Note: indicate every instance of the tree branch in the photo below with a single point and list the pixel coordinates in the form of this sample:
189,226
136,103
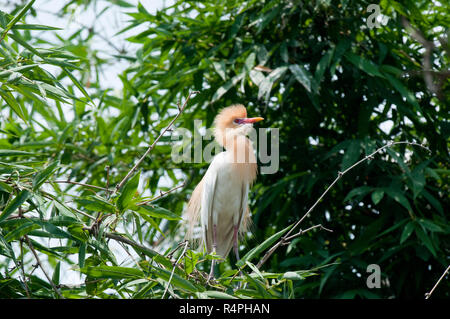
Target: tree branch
42,268
428,294
186,244
134,168
161,194
82,184
339,176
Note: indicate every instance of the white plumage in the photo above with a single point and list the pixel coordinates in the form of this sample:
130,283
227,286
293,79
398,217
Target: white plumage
221,197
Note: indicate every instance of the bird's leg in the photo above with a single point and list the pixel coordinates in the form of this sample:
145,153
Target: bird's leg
235,242
213,262
236,250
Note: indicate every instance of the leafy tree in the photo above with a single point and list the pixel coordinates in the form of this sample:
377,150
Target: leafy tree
82,168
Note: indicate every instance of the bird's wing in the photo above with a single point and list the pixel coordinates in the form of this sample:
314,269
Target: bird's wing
239,219
193,209
208,215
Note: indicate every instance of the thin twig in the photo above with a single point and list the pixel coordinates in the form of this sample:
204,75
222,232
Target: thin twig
186,244
428,294
107,179
339,176
27,289
301,232
42,268
83,184
127,241
161,194
134,168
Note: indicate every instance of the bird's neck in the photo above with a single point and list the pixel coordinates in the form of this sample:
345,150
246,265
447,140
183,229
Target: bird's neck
242,156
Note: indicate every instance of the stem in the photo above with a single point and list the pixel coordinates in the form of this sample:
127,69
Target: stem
162,194
42,268
134,168
186,243
82,184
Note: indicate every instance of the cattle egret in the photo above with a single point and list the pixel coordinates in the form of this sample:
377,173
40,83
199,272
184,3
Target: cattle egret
221,197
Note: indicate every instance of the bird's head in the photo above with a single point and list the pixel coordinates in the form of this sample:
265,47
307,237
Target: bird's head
233,121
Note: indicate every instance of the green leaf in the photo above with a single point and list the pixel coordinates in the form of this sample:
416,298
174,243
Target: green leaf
6,188
255,269
407,231
226,87
43,175
220,69
425,239
95,203
82,255
214,294
190,260
322,65
18,38
302,76
158,212
359,191
56,273
14,204
78,232
404,92
377,196
77,83
113,272
15,106
17,17
292,275
265,86
128,191
33,27
398,197
21,231
176,279
433,201
428,224
367,66
15,153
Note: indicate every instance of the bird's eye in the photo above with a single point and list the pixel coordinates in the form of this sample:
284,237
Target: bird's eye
237,121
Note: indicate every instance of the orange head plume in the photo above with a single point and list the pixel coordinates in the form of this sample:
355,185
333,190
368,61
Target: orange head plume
231,117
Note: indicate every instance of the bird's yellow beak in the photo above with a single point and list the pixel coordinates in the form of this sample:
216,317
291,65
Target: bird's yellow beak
251,120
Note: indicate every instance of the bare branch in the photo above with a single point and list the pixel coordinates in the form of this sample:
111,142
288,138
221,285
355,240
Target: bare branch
162,194
428,294
82,184
134,168
186,244
42,268
339,176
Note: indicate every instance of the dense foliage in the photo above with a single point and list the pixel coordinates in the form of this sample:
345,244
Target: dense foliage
335,87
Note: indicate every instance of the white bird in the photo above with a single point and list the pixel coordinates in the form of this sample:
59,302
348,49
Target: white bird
221,197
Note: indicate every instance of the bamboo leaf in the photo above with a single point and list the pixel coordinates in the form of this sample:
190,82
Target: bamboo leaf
14,204
44,175
128,192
